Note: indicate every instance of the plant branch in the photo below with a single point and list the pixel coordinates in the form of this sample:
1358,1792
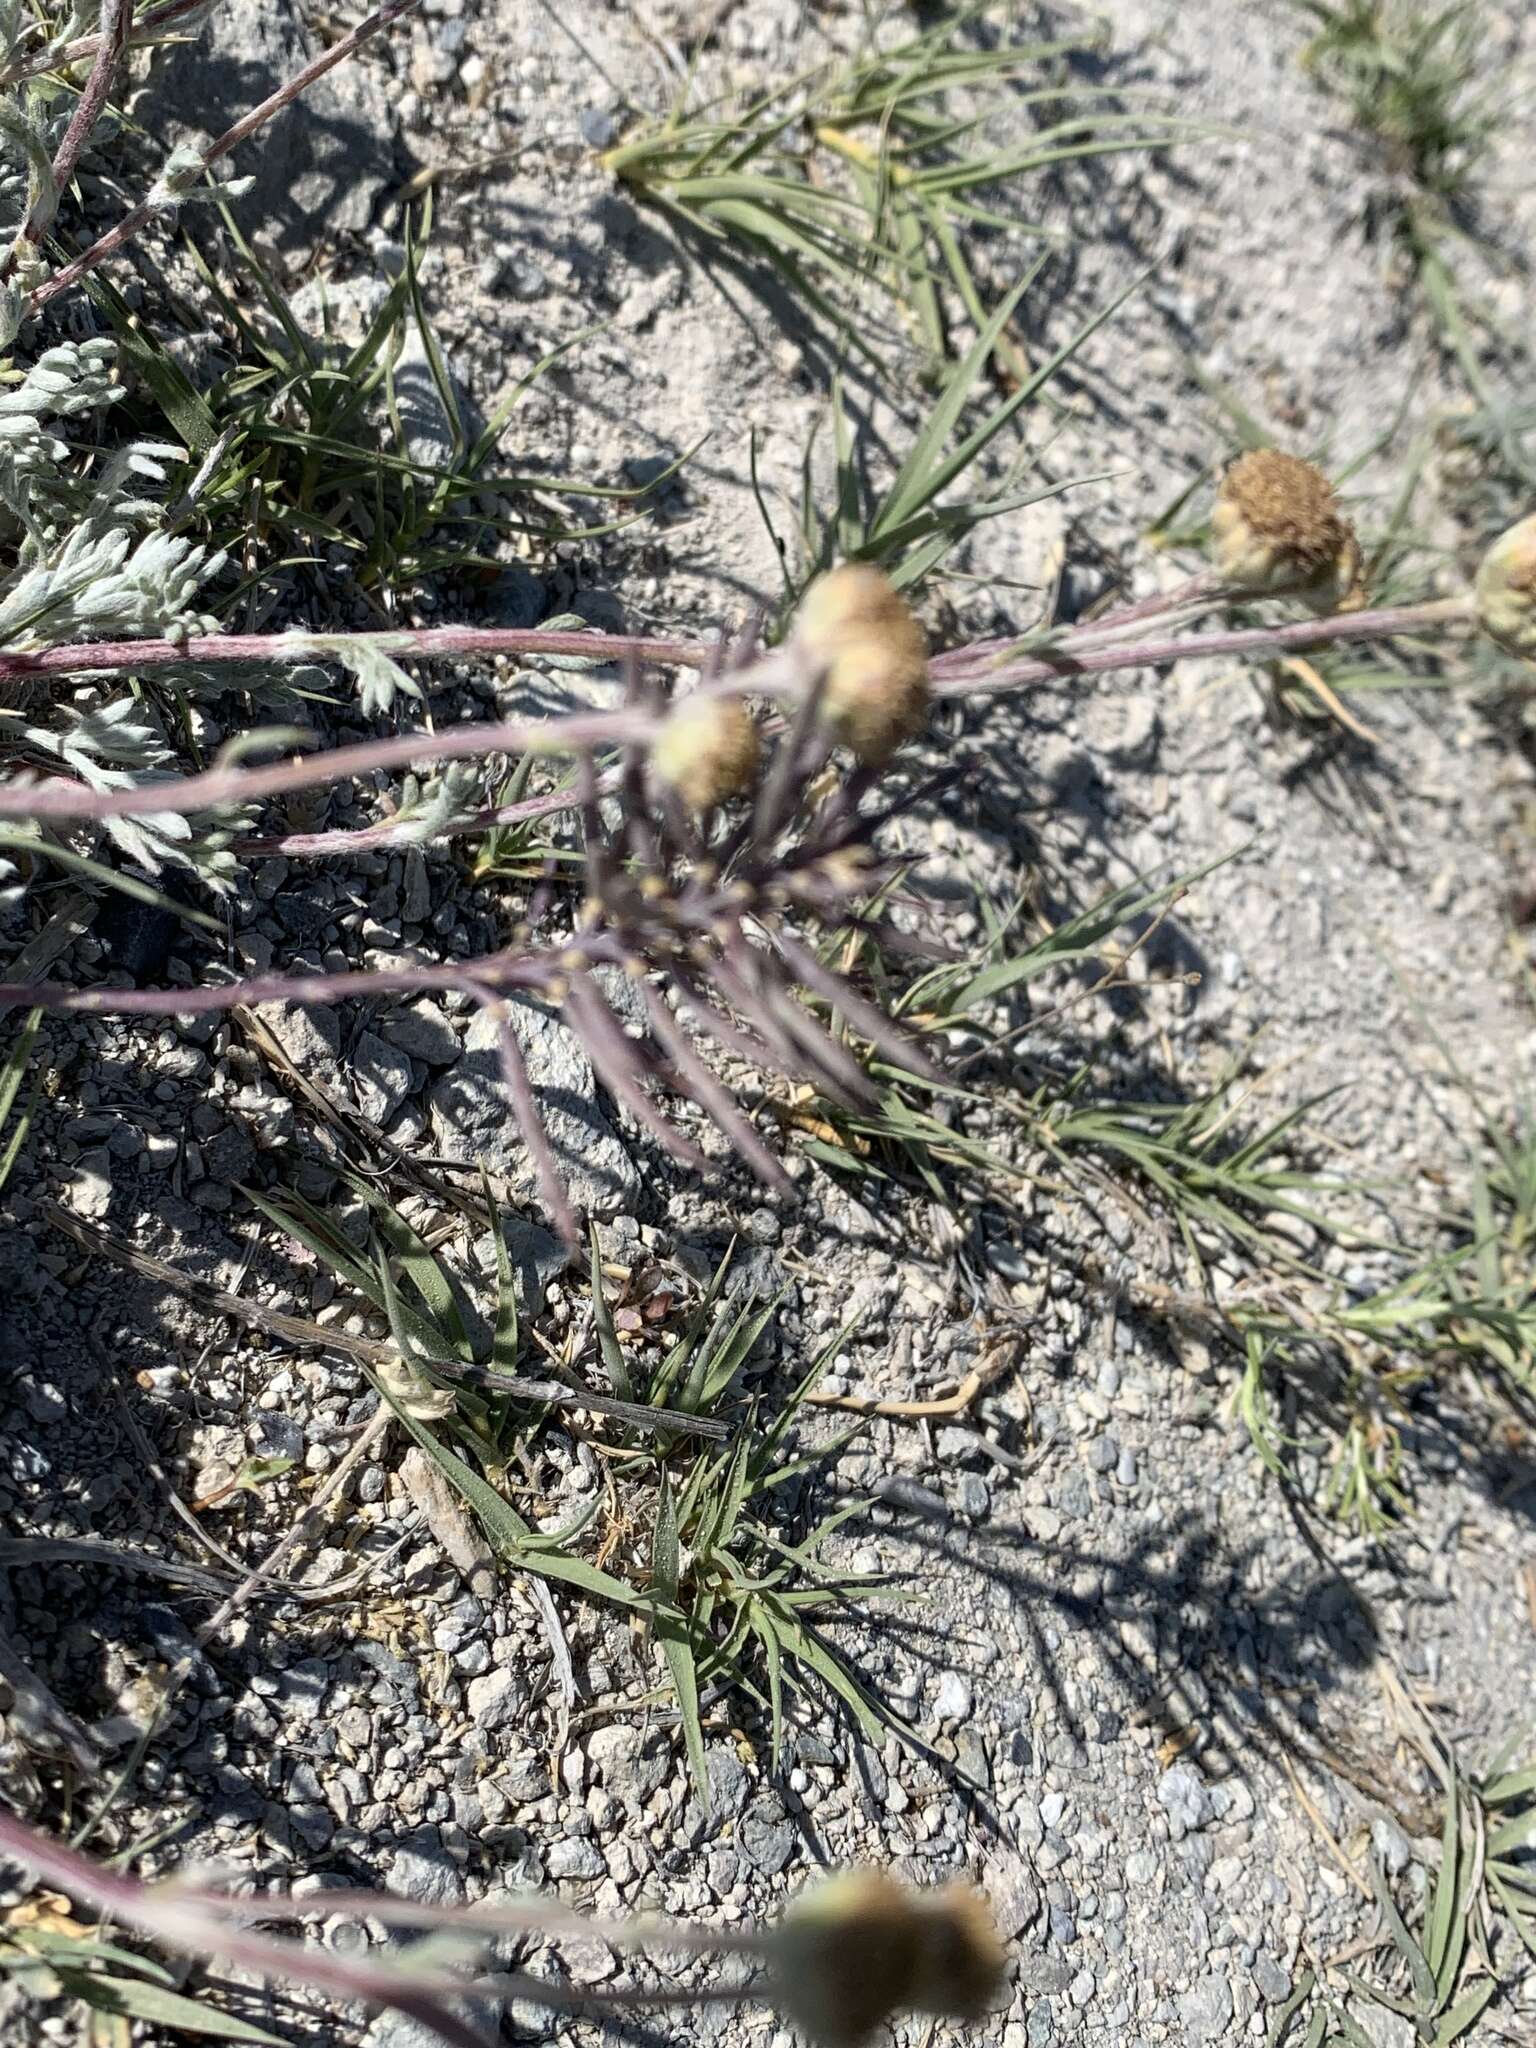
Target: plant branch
198,1924
141,215
142,31
1084,652
421,643
110,44
1086,658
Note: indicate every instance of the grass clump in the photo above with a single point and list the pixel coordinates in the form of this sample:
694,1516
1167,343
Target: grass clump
861,183
1412,77
1452,1938
697,1529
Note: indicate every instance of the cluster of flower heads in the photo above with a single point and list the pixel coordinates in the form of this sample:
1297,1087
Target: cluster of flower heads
864,652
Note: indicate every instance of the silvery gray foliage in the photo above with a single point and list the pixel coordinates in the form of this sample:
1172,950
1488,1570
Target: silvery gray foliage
429,808
87,557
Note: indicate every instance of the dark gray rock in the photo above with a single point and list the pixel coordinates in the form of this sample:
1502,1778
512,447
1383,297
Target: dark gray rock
472,1117
766,1836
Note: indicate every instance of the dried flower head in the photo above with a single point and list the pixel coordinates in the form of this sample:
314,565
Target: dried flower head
707,750
856,628
1277,527
1506,589
860,1948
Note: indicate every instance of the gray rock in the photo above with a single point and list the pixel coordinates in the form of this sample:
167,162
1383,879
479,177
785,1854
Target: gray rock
912,1495
416,896
1391,1845
628,1763
310,1037
766,1836
422,1030
952,1701
497,1699
575,1858
472,1117
1206,2008
431,434
322,162
535,1255
381,1077
445,1517
1271,1979
1185,1797
1012,1890
422,1869
728,1784
304,1686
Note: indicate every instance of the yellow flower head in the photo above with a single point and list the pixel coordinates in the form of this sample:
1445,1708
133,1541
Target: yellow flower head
1506,589
856,629
1278,528
707,750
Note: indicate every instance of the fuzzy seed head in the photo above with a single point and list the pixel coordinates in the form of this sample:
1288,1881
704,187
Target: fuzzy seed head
856,628
1506,589
860,1948
1277,527
707,750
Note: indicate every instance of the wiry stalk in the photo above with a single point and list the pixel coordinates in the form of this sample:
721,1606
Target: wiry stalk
146,29
140,216
1083,652
110,44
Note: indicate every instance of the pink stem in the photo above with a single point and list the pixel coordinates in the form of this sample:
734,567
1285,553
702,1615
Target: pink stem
1308,633
1080,654
420,643
58,798
371,838
194,1924
495,971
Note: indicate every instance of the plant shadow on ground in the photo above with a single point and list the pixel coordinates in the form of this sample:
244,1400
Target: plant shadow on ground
314,157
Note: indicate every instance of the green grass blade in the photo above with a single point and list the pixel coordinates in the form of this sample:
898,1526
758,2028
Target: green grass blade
676,1638
617,1366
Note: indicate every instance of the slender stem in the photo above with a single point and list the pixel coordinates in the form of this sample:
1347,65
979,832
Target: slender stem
498,971
58,798
110,44
141,215
1087,659
420,643
197,1924
373,838
143,30
1084,653
1199,589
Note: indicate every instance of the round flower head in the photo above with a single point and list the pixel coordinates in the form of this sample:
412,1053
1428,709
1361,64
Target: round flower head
856,630
1506,589
859,1948
707,750
1277,527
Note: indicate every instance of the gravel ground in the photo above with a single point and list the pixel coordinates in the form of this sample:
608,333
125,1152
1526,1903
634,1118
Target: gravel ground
1124,1640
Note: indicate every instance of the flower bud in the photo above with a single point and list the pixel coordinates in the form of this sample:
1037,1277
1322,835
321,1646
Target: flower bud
856,629
859,1948
707,750
1277,528
1506,589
